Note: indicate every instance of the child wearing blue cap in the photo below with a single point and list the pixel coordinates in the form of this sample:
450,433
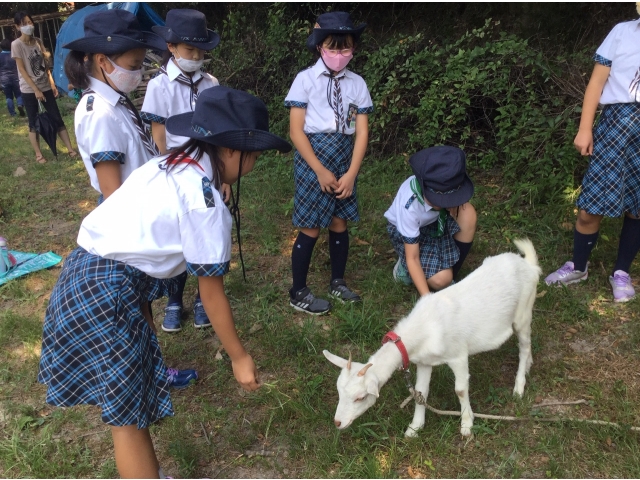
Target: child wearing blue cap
329,105
431,223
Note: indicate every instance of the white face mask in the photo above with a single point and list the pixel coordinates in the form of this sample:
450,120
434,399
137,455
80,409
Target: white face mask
27,29
188,65
124,80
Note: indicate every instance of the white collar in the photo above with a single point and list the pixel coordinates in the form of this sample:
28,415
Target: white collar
320,68
173,71
104,90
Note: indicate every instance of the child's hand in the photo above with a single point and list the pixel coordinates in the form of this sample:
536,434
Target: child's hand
225,192
246,373
345,186
584,142
327,181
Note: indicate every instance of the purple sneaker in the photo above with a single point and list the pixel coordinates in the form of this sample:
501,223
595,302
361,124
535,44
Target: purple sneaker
622,289
566,275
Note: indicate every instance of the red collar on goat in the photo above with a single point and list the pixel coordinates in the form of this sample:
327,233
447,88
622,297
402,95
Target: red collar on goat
393,337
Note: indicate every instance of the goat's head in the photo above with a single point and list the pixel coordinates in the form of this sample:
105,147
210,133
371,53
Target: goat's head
357,389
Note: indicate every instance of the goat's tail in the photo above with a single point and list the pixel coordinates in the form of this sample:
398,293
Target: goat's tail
526,248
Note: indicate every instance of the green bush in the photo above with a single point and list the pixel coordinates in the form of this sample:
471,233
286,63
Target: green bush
488,92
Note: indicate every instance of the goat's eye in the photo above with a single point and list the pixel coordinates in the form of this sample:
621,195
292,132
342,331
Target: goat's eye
359,399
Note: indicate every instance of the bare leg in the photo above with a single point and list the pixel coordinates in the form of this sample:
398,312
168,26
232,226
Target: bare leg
64,136
588,223
440,280
460,369
34,138
423,378
135,456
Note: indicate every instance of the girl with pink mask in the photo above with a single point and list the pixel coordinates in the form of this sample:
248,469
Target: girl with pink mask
329,104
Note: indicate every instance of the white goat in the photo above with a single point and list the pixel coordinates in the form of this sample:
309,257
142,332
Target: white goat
475,315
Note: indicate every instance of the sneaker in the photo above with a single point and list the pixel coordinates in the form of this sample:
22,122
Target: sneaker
200,319
179,379
566,275
304,301
172,316
622,289
401,274
21,110
339,290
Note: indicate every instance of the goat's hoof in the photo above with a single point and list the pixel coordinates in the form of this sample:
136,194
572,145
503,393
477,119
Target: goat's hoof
518,391
465,431
411,432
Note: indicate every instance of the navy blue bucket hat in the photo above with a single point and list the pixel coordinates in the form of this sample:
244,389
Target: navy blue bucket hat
228,118
443,177
332,23
114,31
184,25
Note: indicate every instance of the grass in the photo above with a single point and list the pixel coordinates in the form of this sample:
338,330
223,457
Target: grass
584,347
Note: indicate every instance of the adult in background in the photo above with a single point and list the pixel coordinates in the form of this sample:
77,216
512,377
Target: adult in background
9,78
36,82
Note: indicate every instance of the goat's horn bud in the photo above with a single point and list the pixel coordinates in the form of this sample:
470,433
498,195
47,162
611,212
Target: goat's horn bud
349,362
364,369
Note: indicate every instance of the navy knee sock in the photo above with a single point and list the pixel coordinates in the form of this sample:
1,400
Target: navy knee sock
629,244
176,298
582,246
464,251
338,251
300,261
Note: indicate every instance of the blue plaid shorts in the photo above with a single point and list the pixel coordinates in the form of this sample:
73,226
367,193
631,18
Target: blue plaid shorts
436,254
312,208
611,185
97,347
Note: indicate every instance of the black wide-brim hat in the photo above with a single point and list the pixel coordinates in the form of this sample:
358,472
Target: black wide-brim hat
184,25
114,31
443,177
333,23
228,118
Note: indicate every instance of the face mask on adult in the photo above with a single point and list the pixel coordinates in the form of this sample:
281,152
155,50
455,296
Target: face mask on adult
27,29
123,79
188,65
336,63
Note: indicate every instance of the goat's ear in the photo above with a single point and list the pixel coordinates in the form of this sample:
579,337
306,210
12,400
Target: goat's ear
372,386
336,360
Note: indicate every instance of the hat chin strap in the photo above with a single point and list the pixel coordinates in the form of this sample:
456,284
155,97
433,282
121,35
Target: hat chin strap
235,212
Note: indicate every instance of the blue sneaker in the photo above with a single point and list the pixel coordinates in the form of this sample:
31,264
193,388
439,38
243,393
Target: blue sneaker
200,319
172,316
179,379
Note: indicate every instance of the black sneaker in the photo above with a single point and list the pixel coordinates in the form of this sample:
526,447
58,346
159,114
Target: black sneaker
304,301
339,290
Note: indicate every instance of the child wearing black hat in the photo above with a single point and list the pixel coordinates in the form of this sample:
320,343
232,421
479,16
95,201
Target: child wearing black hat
174,91
98,345
328,105
431,223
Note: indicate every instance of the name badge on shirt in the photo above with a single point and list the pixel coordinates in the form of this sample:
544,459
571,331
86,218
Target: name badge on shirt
351,115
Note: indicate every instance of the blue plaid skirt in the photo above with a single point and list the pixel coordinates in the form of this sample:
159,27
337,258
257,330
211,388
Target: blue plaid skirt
312,208
97,347
436,254
611,185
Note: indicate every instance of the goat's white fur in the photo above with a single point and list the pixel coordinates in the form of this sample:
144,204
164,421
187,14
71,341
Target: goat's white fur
475,315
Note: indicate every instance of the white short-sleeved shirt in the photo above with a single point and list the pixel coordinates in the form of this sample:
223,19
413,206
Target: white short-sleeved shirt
621,51
166,97
105,132
309,90
163,222
408,213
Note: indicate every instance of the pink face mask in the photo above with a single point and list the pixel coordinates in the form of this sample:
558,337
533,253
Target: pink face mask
336,63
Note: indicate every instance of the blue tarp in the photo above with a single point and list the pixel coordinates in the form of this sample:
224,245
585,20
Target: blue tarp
73,28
